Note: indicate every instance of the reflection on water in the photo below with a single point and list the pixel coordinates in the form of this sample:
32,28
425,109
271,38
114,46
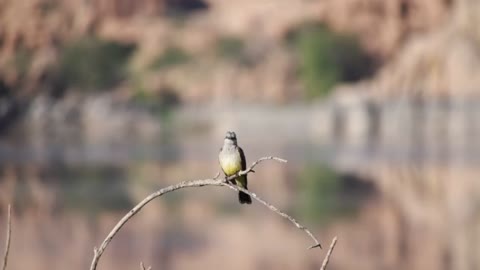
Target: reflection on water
74,205
389,213
324,195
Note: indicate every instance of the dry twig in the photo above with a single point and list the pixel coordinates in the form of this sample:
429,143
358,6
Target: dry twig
327,257
9,233
197,183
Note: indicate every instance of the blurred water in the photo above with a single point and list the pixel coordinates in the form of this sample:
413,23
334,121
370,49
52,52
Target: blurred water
393,204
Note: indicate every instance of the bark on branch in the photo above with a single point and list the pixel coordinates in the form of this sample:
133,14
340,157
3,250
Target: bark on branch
216,181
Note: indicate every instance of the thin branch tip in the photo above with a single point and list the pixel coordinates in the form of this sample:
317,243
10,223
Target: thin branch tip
316,246
275,158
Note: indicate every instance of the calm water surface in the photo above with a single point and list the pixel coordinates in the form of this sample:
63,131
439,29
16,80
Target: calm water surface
392,206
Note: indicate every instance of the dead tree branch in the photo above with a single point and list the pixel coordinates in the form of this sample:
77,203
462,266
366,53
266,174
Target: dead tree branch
196,183
9,233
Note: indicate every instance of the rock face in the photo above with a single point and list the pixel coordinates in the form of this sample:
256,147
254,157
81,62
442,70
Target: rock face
383,26
444,63
30,49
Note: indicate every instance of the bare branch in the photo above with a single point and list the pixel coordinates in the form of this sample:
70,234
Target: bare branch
275,209
194,183
250,169
327,257
258,161
142,267
9,233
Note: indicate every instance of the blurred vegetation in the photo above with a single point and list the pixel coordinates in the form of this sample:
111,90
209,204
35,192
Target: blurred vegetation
85,189
325,195
159,103
171,57
230,47
327,58
94,189
94,64
184,8
46,7
22,61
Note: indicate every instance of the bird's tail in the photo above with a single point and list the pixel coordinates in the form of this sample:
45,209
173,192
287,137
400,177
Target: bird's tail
244,198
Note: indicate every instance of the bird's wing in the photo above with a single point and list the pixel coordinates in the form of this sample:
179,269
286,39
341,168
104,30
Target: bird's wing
221,149
242,157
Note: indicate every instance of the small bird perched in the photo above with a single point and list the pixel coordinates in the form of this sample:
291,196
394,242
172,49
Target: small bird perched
232,160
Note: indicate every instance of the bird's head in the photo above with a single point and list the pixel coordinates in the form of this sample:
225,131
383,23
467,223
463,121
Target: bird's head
231,137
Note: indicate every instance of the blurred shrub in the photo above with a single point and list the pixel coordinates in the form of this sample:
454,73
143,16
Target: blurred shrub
94,189
160,103
22,61
171,57
46,7
86,189
183,8
325,195
94,64
327,58
231,48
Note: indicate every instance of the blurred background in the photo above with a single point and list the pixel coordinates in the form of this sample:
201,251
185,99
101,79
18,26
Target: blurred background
374,103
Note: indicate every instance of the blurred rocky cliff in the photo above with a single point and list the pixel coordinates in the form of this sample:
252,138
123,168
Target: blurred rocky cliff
226,49
444,63
152,53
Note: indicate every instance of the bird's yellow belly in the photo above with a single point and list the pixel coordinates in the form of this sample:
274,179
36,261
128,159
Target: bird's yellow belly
231,166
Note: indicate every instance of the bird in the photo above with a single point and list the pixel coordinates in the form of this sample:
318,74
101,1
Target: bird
232,160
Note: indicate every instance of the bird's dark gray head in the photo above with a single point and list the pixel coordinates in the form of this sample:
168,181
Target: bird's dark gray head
231,136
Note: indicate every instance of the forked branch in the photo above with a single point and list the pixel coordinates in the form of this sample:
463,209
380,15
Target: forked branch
216,181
